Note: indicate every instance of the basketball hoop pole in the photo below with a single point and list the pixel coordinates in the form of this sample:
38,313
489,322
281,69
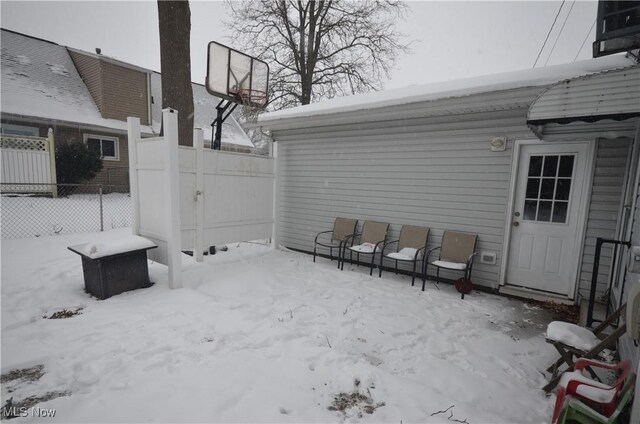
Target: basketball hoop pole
222,107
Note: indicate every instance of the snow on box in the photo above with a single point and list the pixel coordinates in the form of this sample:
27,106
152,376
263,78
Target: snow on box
113,247
449,89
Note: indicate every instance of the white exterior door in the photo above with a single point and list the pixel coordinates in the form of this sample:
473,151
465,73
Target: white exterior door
545,245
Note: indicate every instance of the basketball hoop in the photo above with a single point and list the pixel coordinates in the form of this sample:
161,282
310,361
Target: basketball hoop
249,97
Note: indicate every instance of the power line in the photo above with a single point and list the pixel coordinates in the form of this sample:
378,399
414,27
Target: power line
585,40
549,33
559,33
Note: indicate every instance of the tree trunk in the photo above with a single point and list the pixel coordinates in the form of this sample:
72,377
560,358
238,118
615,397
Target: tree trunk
174,19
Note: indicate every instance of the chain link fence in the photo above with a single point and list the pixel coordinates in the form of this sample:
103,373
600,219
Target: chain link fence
34,210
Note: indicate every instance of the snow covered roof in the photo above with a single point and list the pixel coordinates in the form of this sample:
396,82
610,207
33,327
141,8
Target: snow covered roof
449,89
40,80
204,113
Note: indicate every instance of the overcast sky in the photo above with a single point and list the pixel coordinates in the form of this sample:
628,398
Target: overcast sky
451,40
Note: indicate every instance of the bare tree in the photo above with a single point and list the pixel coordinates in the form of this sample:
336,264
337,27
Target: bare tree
319,49
174,19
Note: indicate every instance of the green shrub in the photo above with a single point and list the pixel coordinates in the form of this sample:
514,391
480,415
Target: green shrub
76,163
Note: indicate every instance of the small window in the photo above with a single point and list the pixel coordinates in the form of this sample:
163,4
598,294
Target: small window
11,129
106,146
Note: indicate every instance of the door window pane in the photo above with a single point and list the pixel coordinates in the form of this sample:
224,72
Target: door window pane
550,166
548,184
544,211
530,207
560,211
563,188
535,166
533,186
566,166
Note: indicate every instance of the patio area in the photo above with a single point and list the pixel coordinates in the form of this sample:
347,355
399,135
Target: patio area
262,335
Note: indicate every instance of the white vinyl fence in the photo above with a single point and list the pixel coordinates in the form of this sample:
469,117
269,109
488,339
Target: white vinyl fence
189,198
29,160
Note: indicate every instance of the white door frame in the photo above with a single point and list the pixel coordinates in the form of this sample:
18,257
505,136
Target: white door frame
582,212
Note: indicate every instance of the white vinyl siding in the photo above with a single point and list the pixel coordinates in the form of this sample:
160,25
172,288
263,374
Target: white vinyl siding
437,172
604,210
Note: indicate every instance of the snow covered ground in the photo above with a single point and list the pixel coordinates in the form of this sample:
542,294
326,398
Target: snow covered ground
262,335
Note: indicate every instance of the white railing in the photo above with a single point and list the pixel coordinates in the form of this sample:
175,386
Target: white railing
29,160
187,198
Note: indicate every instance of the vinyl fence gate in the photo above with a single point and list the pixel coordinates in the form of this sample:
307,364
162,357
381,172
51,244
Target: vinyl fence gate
189,198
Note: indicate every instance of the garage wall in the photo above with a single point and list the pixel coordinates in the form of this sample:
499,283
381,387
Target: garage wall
436,172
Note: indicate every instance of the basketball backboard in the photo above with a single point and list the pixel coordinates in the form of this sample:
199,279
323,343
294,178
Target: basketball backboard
236,76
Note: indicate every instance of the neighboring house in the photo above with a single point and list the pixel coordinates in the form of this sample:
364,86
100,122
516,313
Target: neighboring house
86,98
432,156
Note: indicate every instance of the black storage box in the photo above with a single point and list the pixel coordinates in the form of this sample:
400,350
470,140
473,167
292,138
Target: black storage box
115,273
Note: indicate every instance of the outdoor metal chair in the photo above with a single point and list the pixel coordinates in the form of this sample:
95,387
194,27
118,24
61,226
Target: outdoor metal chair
571,341
342,228
373,236
456,254
410,248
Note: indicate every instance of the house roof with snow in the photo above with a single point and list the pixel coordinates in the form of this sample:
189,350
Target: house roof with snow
363,104
40,80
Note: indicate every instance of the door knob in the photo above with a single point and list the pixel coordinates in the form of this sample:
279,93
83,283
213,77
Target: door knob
516,223
517,214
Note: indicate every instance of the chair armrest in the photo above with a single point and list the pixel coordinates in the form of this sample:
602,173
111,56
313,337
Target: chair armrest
375,249
415,258
322,232
470,258
350,237
389,243
582,363
431,251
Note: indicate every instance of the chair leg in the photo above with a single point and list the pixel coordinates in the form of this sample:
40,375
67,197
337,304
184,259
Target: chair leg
380,267
413,274
465,279
358,259
373,261
396,267
425,267
314,252
330,254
